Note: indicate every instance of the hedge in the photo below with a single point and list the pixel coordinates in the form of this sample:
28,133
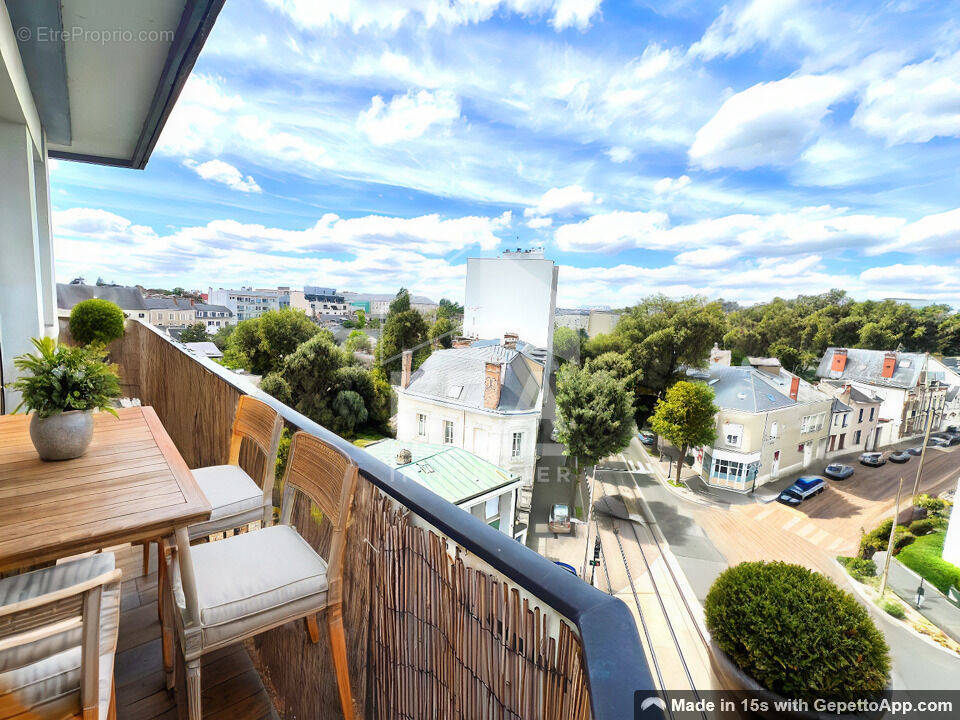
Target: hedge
795,632
96,320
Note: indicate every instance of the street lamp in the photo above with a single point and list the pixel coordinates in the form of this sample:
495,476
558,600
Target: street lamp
919,598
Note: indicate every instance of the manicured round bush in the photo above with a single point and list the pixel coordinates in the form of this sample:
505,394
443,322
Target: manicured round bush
859,567
795,632
96,320
922,527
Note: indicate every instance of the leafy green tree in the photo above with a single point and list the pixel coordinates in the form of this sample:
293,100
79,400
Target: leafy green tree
361,318
222,336
404,329
948,336
594,414
262,343
875,336
790,358
96,321
617,364
350,410
566,344
685,417
178,291
194,333
441,332
449,309
358,341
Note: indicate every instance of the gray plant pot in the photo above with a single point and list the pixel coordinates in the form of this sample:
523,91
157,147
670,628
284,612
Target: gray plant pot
64,436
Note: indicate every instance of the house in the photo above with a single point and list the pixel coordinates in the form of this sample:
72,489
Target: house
602,322
574,318
128,299
458,476
720,357
325,302
170,311
855,426
245,303
768,425
899,379
378,304
947,372
484,398
213,317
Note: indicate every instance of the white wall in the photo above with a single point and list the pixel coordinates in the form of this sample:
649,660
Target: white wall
515,293
487,435
951,544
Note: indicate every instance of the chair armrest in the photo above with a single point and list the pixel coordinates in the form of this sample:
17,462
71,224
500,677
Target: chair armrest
188,579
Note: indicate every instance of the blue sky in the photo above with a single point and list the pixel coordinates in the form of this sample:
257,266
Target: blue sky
739,150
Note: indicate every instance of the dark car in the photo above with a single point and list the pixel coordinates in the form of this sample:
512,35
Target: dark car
838,471
901,456
647,438
953,438
915,450
873,459
935,441
802,489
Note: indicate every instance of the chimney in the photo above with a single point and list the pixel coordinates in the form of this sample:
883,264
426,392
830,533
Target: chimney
491,386
839,360
889,365
406,365
510,340
794,388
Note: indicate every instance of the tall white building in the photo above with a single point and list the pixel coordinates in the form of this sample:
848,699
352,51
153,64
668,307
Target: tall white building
515,293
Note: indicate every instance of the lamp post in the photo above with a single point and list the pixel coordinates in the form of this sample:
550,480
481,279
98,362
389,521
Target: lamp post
919,597
893,530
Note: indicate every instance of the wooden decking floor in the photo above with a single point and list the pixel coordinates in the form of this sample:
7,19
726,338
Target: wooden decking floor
232,689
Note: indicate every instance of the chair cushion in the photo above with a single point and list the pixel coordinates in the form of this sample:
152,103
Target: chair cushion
229,489
50,688
241,578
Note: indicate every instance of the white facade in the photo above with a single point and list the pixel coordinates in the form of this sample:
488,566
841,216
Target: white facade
514,293
245,303
508,440
951,544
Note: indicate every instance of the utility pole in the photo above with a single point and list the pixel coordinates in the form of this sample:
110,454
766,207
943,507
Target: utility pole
586,549
893,530
926,435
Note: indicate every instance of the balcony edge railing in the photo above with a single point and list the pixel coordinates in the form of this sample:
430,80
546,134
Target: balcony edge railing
614,660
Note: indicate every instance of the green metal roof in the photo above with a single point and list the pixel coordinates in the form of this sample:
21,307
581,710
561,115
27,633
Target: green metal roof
454,474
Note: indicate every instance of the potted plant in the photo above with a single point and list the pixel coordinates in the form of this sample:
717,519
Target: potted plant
62,386
783,632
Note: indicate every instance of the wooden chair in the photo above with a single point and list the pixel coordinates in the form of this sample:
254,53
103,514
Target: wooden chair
236,498
58,637
241,586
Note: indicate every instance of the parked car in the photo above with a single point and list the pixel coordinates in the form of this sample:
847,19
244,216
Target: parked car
915,450
838,471
901,456
872,459
935,441
952,438
647,438
559,521
802,489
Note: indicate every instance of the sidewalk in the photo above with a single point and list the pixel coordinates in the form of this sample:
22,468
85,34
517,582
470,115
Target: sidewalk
694,488
935,608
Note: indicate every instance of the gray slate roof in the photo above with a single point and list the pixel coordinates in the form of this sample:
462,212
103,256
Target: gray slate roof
371,297
856,395
741,387
212,308
128,298
839,407
456,376
167,303
866,365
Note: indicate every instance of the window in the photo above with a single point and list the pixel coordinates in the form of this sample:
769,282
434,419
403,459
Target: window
516,445
843,437
448,432
846,417
805,423
141,314
774,430
800,448
856,436
860,417
871,414
732,434
421,425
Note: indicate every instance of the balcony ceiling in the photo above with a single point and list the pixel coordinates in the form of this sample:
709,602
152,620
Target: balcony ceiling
104,74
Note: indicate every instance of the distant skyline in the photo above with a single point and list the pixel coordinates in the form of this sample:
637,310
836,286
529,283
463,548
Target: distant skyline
739,150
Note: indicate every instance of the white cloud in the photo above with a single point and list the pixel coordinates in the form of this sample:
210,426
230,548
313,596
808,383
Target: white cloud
391,14
408,116
224,173
767,124
671,185
611,232
740,28
710,257
916,104
539,222
569,200
620,154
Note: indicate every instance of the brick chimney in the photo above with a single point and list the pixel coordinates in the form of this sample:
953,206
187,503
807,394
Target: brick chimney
406,365
794,388
510,340
491,386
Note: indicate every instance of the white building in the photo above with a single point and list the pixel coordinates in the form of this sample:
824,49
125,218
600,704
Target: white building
573,318
514,293
951,543
856,417
325,303
947,372
378,304
213,317
899,379
484,398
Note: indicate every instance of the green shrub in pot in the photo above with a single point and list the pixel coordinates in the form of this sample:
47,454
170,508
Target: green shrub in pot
61,385
96,321
795,632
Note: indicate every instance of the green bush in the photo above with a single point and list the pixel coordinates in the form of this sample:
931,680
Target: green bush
901,538
922,527
892,608
860,567
935,507
61,378
875,540
795,632
96,320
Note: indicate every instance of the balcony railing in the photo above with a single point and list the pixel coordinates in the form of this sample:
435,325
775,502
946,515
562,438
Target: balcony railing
445,615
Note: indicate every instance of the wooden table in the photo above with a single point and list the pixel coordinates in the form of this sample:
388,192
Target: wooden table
130,485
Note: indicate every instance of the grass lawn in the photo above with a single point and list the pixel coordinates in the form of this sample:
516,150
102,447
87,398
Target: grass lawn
924,558
365,437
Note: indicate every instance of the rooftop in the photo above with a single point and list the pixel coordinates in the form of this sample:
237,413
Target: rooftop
454,474
746,389
866,366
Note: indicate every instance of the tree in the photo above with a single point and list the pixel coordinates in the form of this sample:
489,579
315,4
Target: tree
441,332
222,336
449,309
357,341
594,414
350,410
361,320
948,336
566,344
178,291
262,343
96,321
685,417
194,333
404,329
